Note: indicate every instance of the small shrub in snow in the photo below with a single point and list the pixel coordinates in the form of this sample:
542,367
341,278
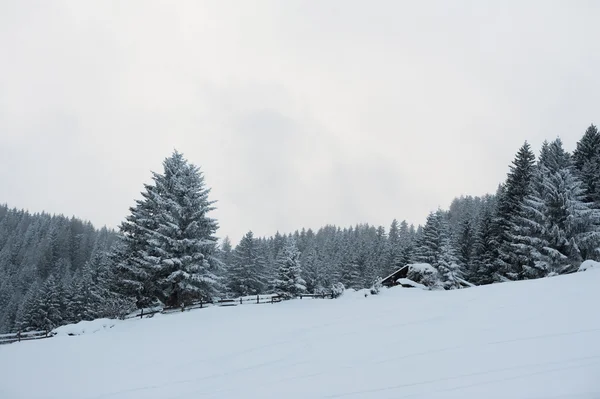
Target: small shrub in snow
337,289
376,287
424,273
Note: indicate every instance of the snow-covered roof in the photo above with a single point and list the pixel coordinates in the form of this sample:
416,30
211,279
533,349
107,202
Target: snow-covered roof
422,267
393,274
410,283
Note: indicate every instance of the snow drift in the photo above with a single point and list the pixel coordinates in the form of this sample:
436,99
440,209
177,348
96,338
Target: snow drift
531,339
589,265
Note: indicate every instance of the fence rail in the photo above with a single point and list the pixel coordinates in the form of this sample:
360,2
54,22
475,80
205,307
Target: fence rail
150,312
258,299
24,336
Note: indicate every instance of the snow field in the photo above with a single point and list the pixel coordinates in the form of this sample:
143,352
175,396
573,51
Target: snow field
531,339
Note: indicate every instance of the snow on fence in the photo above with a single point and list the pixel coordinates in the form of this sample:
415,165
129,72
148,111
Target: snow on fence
24,336
149,312
251,299
322,295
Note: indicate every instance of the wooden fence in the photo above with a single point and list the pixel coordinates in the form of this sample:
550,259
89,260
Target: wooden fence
253,299
149,312
24,336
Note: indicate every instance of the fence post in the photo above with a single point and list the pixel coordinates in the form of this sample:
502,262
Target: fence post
19,335
200,303
257,298
240,300
142,313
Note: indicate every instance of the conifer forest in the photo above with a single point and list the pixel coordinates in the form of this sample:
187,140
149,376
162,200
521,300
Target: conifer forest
543,220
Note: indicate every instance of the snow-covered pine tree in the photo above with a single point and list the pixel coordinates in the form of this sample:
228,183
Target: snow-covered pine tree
429,245
557,228
348,256
135,274
26,315
246,274
47,315
312,270
169,244
447,264
83,305
510,201
289,282
586,159
184,238
485,251
435,248
376,242
466,246
393,249
407,240
226,251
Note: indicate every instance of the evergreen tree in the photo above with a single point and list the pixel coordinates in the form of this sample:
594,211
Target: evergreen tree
47,315
406,242
447,265
510,205
169,239
246,275
466,245
485,250
184,238
586,159
289,282
226,251
26,315
312,270
557,229
394,249
429,247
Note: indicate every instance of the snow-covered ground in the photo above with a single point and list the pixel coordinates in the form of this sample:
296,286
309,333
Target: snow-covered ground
534,339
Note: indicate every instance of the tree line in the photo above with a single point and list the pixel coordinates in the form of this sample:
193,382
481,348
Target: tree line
543,220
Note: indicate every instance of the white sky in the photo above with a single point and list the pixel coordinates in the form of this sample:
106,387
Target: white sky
300,113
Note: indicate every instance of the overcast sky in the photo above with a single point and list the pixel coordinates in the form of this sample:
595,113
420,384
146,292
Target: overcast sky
299,113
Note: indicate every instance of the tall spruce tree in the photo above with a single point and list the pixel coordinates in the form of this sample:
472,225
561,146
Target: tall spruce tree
558,228
246,274
465,243
429,246
48,312
169,245
289,282
586,159
393,249
484,248
509,208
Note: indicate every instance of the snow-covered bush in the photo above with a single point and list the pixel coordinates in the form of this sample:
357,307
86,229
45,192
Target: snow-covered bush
376,287
424,273
337,289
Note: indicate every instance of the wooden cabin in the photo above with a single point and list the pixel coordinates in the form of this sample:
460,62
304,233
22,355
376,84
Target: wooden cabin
392,279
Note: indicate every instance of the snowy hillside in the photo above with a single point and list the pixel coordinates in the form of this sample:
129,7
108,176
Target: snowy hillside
531,339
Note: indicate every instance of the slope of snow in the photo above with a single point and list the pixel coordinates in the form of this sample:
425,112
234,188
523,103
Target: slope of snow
533,339
86,327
